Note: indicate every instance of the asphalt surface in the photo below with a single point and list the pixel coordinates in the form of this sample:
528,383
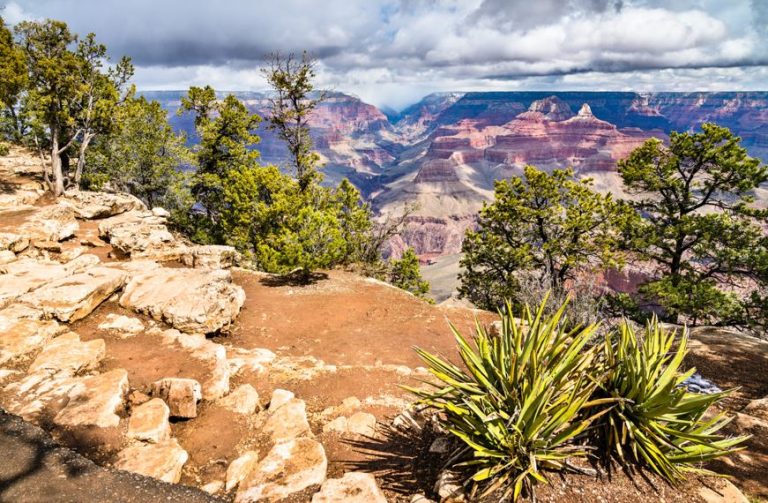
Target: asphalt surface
35,469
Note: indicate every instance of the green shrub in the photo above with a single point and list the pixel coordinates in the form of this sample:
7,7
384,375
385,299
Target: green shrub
517,406
4,149
528,399
654,420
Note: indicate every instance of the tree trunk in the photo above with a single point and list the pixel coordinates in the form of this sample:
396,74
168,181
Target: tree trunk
58,175
87,137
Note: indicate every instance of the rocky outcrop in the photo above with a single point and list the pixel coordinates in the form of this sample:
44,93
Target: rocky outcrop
90,205
25,275
191,300
210,257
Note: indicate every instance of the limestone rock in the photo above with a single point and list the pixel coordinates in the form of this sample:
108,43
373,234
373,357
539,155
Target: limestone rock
180,394
338,425
89,205
149,422
25,275
75,297
123,325
51,223
212,487
215,355
40,395
22,336
362,423
290,467
353,487
240,468
162,461
95,401
131,219
243,400
288,421
7,256
210,257
726,493
66,353
279,398
758,408
191,300
70,254
420,498
13,242
448,486
161,212
249,360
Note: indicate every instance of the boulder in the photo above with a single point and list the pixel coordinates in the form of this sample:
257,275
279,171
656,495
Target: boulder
66,353
10,241
74,297
95,401
243,400
240,468
89,205
353,487
21,336
149,422
131,219
24,275
180,394
288,421
210,257
162,461
290,467
125,326
190,300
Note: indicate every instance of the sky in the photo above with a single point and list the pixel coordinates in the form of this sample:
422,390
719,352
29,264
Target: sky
393,52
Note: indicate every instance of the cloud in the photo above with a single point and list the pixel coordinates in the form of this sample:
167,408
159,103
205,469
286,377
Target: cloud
389,51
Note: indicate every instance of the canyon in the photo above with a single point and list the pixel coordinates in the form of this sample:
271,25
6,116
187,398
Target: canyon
443,154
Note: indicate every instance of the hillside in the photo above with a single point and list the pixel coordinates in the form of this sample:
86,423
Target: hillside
148,354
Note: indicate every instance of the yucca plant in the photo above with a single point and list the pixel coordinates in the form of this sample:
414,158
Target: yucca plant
654,420
516,401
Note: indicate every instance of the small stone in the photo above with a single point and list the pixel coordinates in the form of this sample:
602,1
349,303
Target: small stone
149,422
240,468
288,422
338,425
290,467
441,445
279,398
162,461
51,246
213,487
180,394
136,398
420,498
123,325
449,487
243,400
727,493
758,408
353,487
362,423
71,253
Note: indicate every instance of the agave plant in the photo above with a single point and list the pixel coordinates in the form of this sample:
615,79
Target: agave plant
654,420
516,401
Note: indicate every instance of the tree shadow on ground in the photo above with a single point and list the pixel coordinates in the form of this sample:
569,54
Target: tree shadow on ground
293,279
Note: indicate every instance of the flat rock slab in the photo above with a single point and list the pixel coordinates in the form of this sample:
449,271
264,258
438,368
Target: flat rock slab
353,487
123,326
288,421
149,422
21,336
67,353
26,275
162,461
50,223
180,394
89,205
74,297
95,401
190,300
40,395
130,218
10,241
290,467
